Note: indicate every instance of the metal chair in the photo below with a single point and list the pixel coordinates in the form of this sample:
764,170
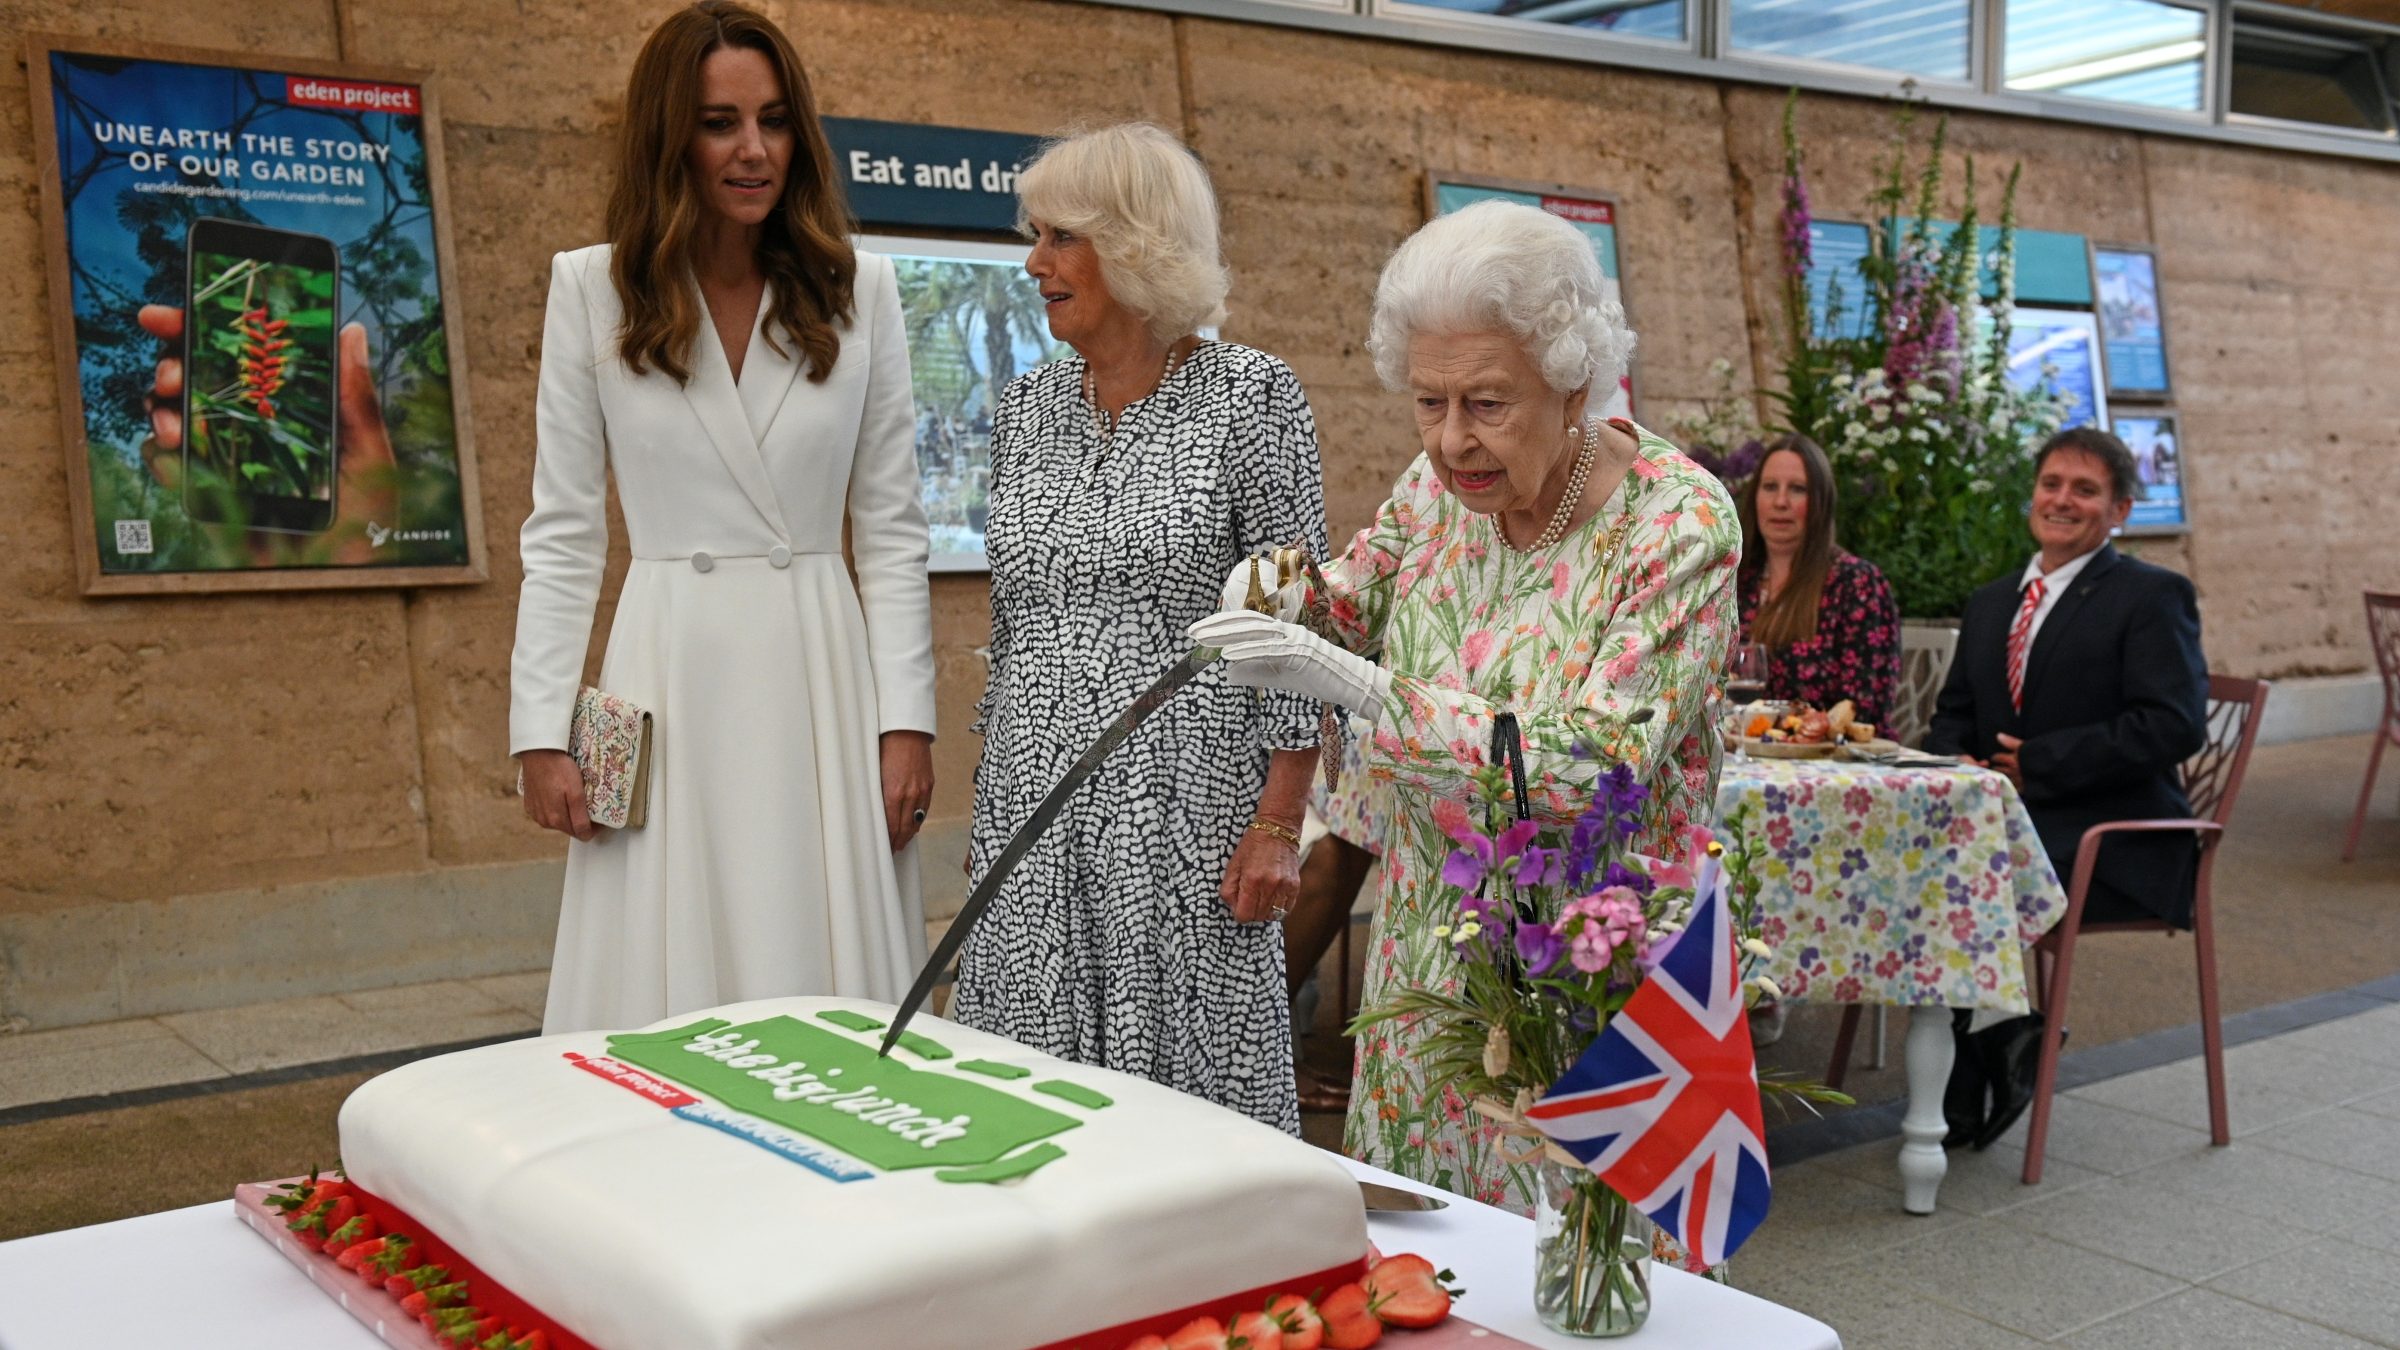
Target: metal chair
2383,634
1925,652
2211,779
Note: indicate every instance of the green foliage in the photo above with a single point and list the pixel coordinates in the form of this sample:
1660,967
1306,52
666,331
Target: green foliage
1931,444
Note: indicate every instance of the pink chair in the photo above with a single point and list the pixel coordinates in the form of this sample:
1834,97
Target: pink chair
2211,779
2383,633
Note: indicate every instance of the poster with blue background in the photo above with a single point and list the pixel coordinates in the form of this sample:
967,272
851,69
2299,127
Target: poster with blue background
261,350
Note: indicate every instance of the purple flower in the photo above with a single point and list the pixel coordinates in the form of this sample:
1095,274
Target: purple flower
1618,874
1795,222
1539,948
1466,866
1540,866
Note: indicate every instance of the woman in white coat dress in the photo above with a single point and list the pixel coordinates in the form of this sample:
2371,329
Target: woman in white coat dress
741,371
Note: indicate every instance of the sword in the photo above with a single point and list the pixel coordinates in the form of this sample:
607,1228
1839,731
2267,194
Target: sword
1038,824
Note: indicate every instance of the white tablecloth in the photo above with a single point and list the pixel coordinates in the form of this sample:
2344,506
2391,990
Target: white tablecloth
196,1279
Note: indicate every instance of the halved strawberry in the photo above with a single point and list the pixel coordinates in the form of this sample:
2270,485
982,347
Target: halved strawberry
1350,1320
1406,1291
1302,1328
1255,1331
1201,1333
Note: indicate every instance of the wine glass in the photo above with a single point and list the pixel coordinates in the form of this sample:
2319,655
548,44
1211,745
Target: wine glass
1745,680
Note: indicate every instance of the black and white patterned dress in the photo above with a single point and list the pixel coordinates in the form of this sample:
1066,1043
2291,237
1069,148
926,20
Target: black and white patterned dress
1110,944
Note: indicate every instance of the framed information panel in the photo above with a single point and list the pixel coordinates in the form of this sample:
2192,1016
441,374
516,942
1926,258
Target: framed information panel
2155,436
1593,212
262,380
2132,323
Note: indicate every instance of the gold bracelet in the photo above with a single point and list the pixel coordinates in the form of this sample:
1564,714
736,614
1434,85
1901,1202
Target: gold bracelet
1284,832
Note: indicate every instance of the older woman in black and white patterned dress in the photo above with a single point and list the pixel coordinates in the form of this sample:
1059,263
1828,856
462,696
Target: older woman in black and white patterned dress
1142,934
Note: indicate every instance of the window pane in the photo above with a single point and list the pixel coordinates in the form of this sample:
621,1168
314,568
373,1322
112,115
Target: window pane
2124,51
1661,19
2303,77
1909,37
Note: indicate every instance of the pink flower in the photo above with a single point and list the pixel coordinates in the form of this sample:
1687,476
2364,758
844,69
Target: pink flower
1477,649
1597,925
1558,581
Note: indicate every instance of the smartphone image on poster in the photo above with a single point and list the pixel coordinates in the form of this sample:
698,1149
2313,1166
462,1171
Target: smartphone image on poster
260,309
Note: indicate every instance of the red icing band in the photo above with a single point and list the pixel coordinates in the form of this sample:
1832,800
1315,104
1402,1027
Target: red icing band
633,1080
482,1290
1311,1287
497,1300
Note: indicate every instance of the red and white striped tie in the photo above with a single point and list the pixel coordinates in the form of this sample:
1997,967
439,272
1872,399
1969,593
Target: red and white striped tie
2018,632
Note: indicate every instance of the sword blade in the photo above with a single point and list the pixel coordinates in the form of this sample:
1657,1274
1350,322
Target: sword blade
1036,825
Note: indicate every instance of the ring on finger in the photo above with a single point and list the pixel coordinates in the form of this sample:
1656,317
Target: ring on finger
918,815
1278,912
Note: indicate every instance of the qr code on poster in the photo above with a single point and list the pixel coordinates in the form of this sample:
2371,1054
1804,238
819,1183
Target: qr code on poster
133,536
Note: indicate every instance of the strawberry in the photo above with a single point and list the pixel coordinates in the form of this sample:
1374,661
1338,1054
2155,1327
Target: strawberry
414,1279
397,1254
1302,1328
1350,1321
1255,1331
1148,1343
433,1296
454,1325
536,1339
1201,1333
1406,1291
357,1254
360,1228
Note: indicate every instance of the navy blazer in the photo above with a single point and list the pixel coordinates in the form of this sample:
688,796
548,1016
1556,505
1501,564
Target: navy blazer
2116,698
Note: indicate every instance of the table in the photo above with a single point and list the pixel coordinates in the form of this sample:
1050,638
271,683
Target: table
1917,888
196,1279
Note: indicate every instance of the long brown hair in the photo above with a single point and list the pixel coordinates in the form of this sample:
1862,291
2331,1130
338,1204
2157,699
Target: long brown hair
1792,615
654,210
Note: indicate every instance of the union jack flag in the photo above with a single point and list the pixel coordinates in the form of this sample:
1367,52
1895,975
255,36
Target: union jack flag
1664,1105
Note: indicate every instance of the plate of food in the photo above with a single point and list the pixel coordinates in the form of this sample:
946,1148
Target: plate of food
1797,731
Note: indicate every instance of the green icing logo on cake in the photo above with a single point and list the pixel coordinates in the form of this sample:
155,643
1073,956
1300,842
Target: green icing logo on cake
836,1091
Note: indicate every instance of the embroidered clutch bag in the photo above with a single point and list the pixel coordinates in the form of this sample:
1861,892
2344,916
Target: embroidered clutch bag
610,741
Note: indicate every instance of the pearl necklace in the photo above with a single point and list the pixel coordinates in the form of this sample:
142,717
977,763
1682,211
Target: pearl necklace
1102,424
1557,529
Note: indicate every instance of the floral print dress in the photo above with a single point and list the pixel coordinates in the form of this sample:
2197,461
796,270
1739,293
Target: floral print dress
1855,654
1562,638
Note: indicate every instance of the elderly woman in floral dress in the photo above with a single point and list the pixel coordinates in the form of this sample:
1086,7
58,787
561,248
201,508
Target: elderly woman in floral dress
1575,574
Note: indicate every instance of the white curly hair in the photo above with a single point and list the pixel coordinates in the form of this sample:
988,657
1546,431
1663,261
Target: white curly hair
1143,200
1502,266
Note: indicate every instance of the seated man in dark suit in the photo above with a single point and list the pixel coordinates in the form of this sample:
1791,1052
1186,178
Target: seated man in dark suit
2082,680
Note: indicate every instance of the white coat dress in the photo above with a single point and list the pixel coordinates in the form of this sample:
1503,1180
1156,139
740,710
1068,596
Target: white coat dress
764,868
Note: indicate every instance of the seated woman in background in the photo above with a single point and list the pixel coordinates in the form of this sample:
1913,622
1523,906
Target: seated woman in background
1828,620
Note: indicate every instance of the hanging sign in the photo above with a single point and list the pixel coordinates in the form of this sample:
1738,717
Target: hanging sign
899,174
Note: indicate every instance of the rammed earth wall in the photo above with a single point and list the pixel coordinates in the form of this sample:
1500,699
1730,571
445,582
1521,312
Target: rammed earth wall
214,800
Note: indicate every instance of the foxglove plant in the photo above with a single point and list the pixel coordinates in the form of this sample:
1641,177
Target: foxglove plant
1930,441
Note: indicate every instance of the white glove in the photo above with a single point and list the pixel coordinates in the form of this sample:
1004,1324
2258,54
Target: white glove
1287,601
1268,653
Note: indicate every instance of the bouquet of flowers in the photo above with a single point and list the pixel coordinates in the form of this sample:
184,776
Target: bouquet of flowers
1930,440
1554,930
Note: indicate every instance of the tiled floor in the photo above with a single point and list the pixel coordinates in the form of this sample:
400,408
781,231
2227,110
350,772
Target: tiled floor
151,1052
2141,1235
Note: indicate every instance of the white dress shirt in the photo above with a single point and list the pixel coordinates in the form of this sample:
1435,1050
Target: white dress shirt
2054,584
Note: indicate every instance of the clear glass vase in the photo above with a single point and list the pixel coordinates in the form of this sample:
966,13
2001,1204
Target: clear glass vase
1591,1256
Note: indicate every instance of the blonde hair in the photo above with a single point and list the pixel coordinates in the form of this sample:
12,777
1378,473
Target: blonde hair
1501,266
1143,200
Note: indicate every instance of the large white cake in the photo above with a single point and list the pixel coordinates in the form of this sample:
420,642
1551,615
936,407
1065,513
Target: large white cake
752,1177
